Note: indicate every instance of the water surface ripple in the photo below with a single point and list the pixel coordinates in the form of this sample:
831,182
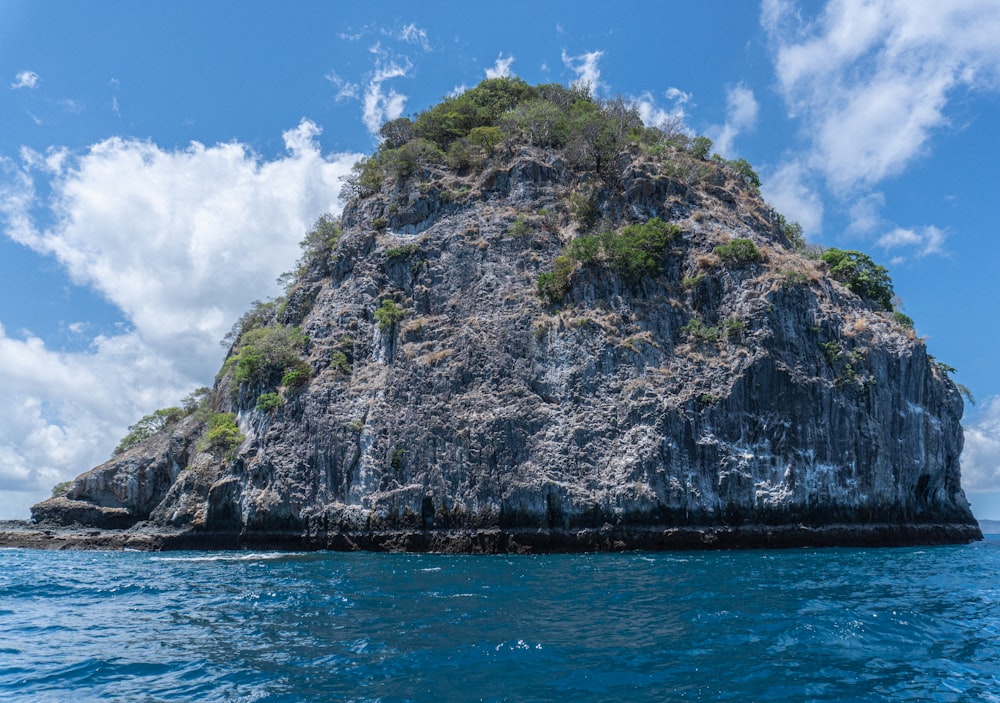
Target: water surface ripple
787,625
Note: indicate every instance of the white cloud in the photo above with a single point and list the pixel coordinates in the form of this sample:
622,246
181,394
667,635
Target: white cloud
500,69
671,118
25,79
346,90
413,34
790,191
677,96
981,455
380,102
181,241
73,107
741,115
866,214
66,411
588,74
379,105
922,241
871,79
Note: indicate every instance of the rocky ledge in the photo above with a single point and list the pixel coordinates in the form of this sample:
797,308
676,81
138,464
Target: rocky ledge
526,340
144,537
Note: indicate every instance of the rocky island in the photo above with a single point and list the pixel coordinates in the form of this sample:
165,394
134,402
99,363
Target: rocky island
540,325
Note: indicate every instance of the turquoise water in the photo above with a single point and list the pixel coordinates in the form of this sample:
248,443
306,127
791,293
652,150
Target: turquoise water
791,625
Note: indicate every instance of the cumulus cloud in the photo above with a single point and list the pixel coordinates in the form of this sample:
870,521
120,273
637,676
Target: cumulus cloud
981,455
25,79
66,411
741,116
871,80
500,69
588,74
181,241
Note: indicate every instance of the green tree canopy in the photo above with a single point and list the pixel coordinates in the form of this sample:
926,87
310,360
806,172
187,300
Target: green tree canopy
148,426
861,275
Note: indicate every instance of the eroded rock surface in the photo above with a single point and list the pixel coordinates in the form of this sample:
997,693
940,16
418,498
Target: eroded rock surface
491,419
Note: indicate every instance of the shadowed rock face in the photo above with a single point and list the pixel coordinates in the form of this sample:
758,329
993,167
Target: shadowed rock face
791,404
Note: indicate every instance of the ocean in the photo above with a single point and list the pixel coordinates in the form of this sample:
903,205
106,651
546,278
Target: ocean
799,625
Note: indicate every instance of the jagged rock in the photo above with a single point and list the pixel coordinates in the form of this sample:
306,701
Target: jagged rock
489,419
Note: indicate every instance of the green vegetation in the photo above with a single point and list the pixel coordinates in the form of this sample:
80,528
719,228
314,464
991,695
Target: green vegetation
388,314
790,277
340,362
831,351
61,489
745,171
698,331
148,426
792,232
197,401
903,320
701,147
266,357
297,376
410,158
403,251
269,402
320,240
583,207
365,178
735,328
845,363
260,314
465,131
638,250
520,227
222,434
861,276
554,285
635,251
738,251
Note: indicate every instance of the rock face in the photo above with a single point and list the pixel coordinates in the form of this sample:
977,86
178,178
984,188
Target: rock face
716,401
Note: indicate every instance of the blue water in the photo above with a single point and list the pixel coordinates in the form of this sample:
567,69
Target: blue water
792,625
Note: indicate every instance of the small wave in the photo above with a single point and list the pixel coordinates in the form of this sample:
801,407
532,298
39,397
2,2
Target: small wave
242,556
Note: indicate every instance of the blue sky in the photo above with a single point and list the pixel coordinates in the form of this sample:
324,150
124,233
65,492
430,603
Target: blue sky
160,161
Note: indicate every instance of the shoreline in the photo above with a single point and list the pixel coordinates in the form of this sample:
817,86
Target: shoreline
24,534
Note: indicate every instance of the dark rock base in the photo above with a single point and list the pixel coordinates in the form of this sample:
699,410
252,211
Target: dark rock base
497,541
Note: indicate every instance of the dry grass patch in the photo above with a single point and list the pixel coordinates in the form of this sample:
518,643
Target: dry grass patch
434,358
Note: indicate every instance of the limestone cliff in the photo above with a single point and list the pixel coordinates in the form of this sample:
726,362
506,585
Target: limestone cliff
417,388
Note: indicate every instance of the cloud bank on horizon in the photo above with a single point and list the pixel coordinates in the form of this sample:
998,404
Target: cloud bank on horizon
181,240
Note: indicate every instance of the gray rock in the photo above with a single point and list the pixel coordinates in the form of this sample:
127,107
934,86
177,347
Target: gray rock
488,419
